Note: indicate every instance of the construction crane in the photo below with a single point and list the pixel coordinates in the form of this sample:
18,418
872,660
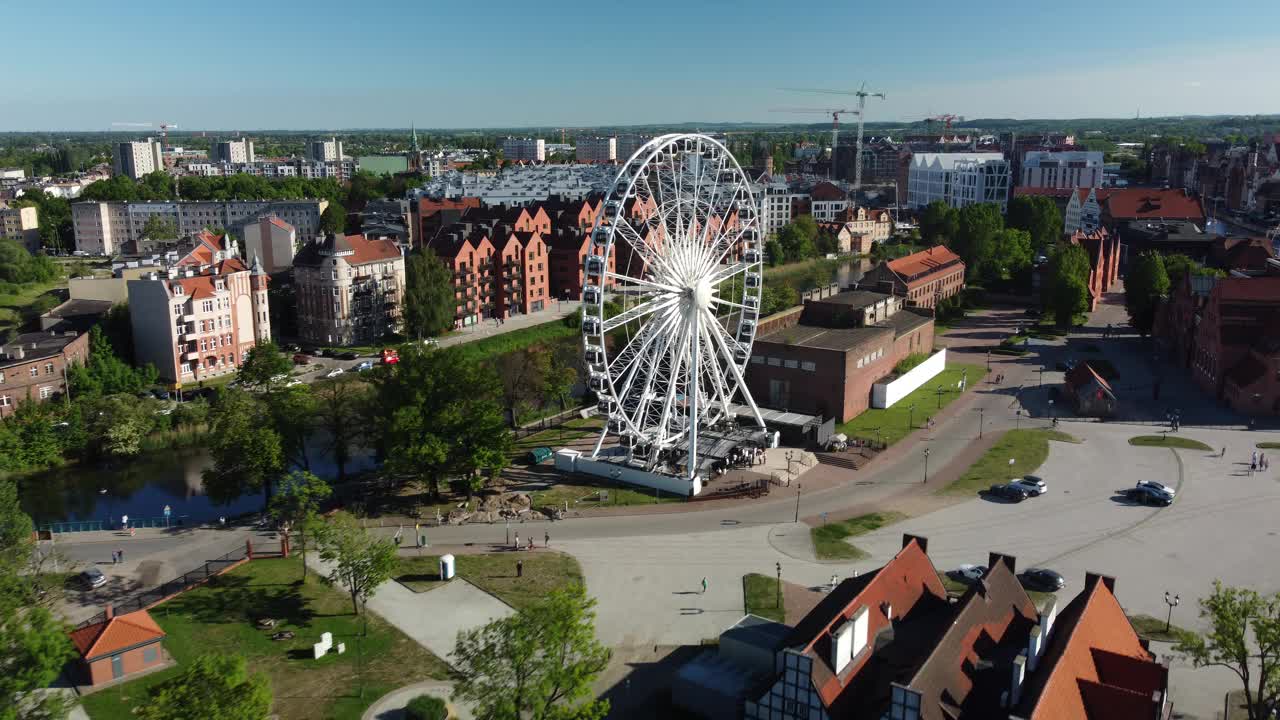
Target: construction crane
835,127
945,119
164,134
862,95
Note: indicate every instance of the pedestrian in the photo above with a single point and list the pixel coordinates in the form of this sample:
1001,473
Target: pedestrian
1224,452
1262,461
519,568
546,539
1254,461
517,541
222,520
121,554
531,542
704,586
114,558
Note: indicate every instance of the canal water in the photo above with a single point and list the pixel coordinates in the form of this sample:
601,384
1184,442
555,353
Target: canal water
820,275
141,489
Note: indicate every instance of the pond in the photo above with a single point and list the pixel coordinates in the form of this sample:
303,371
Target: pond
823,273
141,489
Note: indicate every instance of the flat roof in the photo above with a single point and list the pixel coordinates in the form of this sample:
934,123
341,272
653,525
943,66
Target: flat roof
823,338
854,298
775,417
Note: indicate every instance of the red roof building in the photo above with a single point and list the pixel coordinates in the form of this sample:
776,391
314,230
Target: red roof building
1104,261
1122,205
118,646
923,278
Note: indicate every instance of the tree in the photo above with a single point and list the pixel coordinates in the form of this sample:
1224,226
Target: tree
263,362
292,413
244,446
116,425
938,222
334,219
774,252
158,227
1178,266
295,505
105,373
429,304
975,238
339,403
538,664
522,374
561,373
1066,287
219,685
795,244
1145,285
1244,637
1012,255
361,562
1039,216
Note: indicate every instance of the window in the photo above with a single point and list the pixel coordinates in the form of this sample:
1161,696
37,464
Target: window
774,362
177,310
149,655
206,306
791,364
5,401
808,366
34,371
46,391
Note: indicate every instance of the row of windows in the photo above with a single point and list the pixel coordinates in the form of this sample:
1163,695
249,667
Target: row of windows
46,392
804,365
871,357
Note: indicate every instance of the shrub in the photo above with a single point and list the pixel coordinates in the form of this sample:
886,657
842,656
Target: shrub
907,363
426,707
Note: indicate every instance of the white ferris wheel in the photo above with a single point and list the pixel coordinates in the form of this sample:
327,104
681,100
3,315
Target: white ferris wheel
671,300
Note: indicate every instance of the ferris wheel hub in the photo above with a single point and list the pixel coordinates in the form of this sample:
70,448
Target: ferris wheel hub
699,294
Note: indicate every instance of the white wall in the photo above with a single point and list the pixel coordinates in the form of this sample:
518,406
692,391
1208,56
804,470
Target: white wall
572,461
884,395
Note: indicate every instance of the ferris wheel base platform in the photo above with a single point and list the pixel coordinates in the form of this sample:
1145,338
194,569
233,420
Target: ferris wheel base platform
614,467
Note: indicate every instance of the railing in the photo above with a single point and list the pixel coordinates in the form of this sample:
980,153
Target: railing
91,525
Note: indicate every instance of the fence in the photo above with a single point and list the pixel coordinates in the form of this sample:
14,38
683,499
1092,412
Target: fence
547,423
188,580
90,525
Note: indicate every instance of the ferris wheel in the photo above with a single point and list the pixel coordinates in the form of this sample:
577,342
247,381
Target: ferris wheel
671,299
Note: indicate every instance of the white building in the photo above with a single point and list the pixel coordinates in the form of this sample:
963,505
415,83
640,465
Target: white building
525,149
958,179
102,228
827,202
271,241
233,151
136,159
20,225
325,150
597,149
1084,211
12,173
1062,169
775,203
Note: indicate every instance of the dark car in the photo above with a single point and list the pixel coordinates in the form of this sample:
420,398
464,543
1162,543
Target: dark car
349,356
301,359
1041,579
1008,491
1147,496
92,578
291,347
160,394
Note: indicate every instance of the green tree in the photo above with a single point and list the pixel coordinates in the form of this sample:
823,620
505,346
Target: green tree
1144,287
333,219
292,413
795,243
561,373
263,362
1243,637
429,304
244,446
1066,286
774,251
975,239
339,405
116,425
295,504
361,562
219,685
938,222
159,227
105,373
522,374
1178,266
1012,255
1039,216
20,267
538,664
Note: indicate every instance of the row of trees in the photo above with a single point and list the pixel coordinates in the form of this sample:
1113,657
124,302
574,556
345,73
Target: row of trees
54,216
19,267
993,253
1150,280
800,239
160,185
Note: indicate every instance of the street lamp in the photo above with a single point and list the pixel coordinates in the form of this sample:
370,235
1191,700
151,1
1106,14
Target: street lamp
1041,376
1017,423
911,417
926,466
1051,417
939,397
988,359
797,502
981,420
777,600
1172,602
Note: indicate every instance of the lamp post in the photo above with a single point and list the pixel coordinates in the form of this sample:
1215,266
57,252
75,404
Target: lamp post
1051,417
797,502
1041,371
988,359
1017,422
926,466
911,417
939,397
981,420
777,599
1172,602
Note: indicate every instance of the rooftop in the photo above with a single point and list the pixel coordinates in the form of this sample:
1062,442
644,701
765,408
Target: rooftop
115,634
823,338
35,346
924,262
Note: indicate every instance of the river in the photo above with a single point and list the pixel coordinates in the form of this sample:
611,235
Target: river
141,489
822,273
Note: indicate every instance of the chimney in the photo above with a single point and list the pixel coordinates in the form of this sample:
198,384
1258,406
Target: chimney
109,611
922,541
1009,560
1015,684
17,353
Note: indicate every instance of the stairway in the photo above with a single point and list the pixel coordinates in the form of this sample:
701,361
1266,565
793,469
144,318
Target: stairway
845,460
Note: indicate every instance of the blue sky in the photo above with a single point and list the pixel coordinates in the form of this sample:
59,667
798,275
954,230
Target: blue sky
324,64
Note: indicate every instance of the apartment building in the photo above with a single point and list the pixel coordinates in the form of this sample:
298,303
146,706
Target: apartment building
233,151
325,150
501,262
827,202
21,225
196,322
524,149
271,240
923,278
136,159
33,366
596,149
105,228
350,290
958,179
627,145
1062,169
775,203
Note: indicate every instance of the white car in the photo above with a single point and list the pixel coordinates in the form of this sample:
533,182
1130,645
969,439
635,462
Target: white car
1032,484
334,373
291,383
279,378
1157,487
968,574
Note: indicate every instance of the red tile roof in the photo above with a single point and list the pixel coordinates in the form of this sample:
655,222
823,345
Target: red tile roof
826,192
923,262
365,250
1152,204
280,223
111,636
1047,191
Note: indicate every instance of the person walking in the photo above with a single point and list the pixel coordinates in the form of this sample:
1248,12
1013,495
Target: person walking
704,586
114,559
546,539
517,546
1224,452
120,553
519,568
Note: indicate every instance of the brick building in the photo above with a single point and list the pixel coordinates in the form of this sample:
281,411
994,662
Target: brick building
923,278
118,646
822,358
1104,262
350,290
33,366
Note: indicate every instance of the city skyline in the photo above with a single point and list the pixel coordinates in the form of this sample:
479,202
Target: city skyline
572,64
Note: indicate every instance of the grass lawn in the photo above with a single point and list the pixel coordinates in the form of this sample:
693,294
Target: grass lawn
829,540
1268,446
891,424
760,597
544,571
572,429
220,618
1172,441
16,309
547,332
1029,448
1152,628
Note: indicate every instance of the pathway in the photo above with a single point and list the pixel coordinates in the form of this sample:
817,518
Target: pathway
391,706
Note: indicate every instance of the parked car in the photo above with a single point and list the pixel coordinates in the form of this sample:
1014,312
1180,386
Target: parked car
1158,487
1041,579
1033,484
293,382
334,373
390,356
1147,496
366,365
349,356
1008,491
1033,312
301,359
279,378
92,578
160,394
291,347
967,574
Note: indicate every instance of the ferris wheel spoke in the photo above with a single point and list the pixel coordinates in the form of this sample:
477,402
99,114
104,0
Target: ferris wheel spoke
651,255
713,365
725,273
737,374
639,311
729,304
644,282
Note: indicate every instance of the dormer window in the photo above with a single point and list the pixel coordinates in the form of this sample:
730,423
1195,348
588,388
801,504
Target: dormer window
219,285
177,289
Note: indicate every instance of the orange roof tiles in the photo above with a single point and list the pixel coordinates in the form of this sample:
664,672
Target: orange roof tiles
1151,203
118,633
925,261
365,250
